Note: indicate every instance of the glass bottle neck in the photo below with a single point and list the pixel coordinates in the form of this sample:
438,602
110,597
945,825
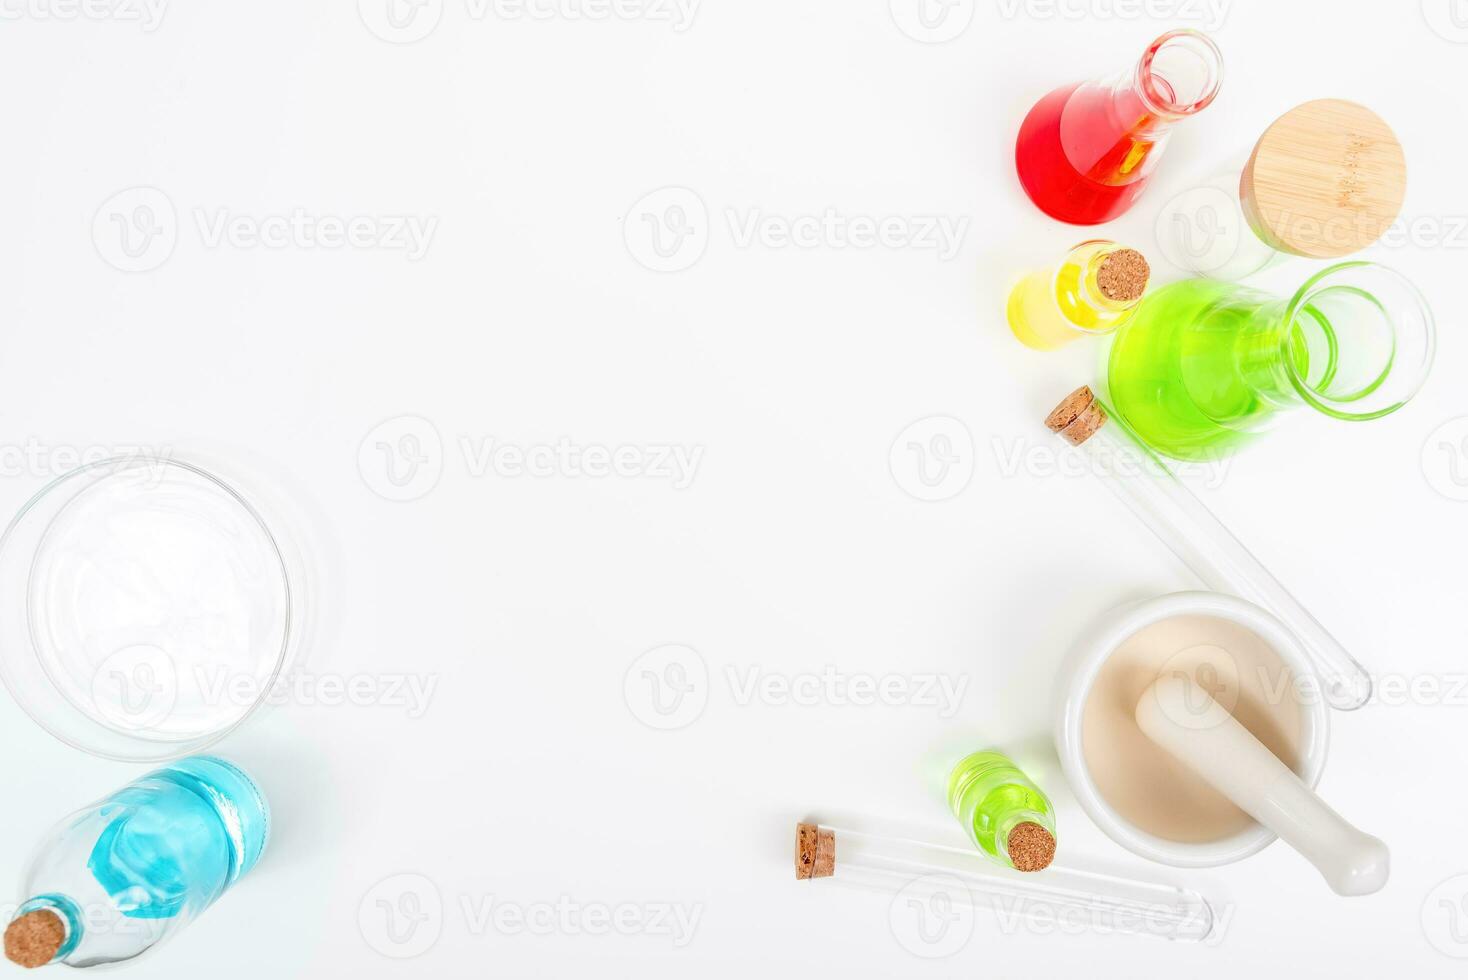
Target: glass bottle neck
64,909
1263,356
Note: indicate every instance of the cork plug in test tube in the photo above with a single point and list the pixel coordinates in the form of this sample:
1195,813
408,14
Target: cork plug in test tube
1161,501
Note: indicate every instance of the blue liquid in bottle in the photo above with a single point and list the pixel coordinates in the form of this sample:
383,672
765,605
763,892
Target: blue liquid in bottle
122,875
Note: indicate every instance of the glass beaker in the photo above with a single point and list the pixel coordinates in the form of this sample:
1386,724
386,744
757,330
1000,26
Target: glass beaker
1085,152
1203,365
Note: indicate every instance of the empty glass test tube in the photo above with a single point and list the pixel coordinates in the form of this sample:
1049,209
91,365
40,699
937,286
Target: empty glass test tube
945,879
1161,501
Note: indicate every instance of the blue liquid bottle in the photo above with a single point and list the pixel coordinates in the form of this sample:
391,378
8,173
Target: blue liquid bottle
118,877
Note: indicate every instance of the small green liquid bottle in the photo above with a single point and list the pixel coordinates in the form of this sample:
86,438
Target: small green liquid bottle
1005,814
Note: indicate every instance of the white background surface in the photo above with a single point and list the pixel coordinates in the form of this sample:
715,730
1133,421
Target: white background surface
791,370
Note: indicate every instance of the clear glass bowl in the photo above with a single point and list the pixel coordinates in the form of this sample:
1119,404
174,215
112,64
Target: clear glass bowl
145,608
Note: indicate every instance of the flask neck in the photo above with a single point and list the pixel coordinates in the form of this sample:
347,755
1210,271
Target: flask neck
1178,76
1114,130
1354,343
33,933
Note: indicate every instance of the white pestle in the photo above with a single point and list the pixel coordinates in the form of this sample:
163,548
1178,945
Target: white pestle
1183,719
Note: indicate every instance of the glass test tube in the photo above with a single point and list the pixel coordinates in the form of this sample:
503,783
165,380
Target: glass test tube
1161,501
962,877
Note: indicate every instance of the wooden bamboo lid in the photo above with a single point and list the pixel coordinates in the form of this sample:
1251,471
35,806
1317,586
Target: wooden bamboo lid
1325,180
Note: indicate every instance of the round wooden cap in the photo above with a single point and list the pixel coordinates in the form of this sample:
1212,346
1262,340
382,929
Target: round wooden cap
1325,180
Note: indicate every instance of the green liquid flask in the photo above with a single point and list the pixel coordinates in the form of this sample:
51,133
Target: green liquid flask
1005,814
1203,366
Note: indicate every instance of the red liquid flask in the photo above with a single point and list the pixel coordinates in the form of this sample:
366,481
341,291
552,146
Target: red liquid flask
1085,152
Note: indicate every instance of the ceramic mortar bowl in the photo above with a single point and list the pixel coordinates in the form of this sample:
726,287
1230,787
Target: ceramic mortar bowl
1077,679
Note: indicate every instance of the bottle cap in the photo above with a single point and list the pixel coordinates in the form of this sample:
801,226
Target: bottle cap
1325,180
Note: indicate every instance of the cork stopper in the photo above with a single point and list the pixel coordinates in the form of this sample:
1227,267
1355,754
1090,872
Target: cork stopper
815,852
1078,417
1031,847
33,939
1325,180
1122,276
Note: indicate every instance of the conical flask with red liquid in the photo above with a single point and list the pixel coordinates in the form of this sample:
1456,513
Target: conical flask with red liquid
1085,152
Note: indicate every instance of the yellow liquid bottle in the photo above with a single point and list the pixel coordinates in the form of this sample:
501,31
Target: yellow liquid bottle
1093,291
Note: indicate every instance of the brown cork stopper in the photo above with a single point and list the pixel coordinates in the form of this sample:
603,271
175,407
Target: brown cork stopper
1031,847
1078,417
33,939
815,852
1123,275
